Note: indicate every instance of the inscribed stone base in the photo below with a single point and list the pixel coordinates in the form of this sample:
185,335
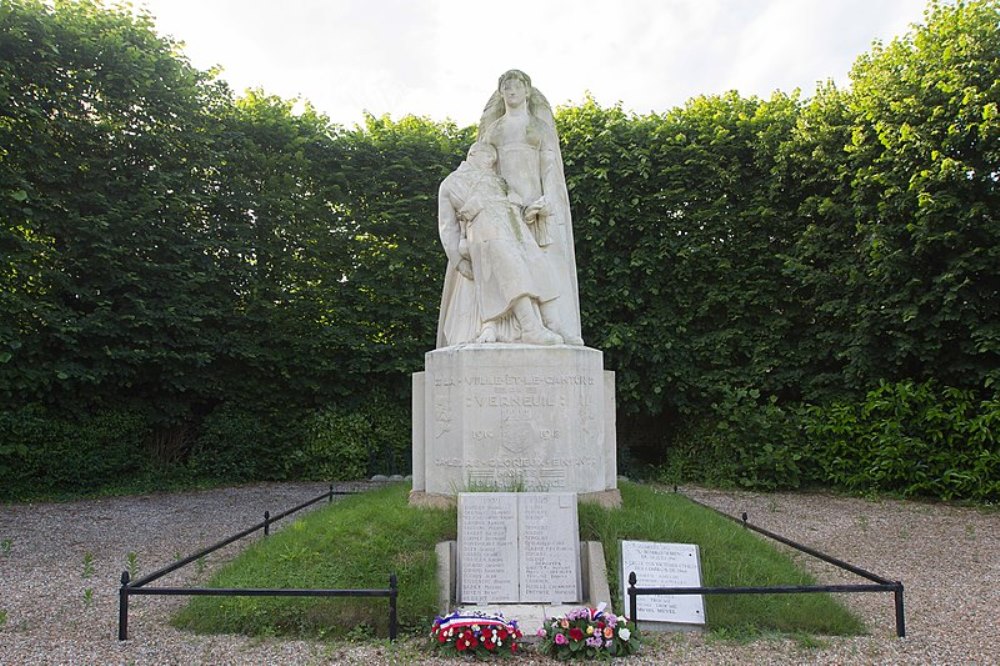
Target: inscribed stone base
514,417
609,499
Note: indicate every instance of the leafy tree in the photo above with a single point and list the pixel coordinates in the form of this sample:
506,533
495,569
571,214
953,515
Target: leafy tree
926,161
393,170
106,295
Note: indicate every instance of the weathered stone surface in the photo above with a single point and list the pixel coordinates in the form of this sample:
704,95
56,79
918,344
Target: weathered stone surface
511,398
505,225
514,416
549,547
487,548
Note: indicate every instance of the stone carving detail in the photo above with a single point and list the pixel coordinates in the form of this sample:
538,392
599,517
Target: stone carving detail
515,415
505,224
442,414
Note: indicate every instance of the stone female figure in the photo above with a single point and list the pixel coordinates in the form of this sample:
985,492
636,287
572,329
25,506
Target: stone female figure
518,123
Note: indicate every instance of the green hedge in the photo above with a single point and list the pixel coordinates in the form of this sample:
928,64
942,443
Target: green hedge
237,443
914,440
737,257
746,442
341,443
45,454
911,439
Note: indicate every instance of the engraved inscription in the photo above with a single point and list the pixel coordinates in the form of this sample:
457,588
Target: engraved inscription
519,462
442,413
520,411
664,565
487,538
548,538
515,380
518,547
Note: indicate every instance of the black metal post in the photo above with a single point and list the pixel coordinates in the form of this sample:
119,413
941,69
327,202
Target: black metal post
136,587
632,598
900,619
123,608
393,593
798,546
149,578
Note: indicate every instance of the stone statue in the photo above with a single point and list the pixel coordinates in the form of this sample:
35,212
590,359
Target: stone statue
509,238
511,396
518,122
496,270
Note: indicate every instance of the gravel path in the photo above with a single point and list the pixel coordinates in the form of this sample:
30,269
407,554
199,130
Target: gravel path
60,563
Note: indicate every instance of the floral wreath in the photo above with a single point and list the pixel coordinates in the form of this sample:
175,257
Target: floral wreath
476,634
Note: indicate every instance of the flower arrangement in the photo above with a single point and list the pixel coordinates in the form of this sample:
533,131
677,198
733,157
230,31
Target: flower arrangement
588,633
476,634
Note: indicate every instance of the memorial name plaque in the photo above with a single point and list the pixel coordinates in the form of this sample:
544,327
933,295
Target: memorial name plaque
664,565
487,542
549,541
518,547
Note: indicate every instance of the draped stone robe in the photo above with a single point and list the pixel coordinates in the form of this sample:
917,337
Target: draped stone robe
506,260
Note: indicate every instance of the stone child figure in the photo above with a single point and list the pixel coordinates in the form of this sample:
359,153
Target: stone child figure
496,270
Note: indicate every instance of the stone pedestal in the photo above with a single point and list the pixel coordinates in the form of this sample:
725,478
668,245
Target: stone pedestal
514,417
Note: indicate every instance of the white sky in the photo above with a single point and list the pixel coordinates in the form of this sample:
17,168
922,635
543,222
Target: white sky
442,58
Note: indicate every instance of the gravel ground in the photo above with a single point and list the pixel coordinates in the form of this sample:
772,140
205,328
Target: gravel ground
60,565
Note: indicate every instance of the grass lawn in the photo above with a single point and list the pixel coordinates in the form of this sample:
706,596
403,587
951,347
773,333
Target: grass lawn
358,541
731,556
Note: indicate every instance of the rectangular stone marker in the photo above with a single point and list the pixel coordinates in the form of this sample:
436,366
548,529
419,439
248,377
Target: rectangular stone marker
504,416
549,541
487,548
518,547
664,565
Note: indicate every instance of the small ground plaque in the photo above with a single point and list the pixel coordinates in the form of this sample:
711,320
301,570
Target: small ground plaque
518,547
664,565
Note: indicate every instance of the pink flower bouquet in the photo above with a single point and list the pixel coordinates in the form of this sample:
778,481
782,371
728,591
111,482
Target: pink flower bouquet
588,633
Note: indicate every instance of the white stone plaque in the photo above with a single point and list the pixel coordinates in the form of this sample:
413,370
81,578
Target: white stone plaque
664,565
518,547
487,543
549,542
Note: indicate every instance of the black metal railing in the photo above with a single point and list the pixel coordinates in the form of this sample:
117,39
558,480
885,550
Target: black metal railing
878,583
139,587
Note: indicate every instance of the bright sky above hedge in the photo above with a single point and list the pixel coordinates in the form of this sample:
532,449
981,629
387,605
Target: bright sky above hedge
441,58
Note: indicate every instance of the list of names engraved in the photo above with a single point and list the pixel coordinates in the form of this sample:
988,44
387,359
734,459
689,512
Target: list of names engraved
518,547
487,541
548,537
